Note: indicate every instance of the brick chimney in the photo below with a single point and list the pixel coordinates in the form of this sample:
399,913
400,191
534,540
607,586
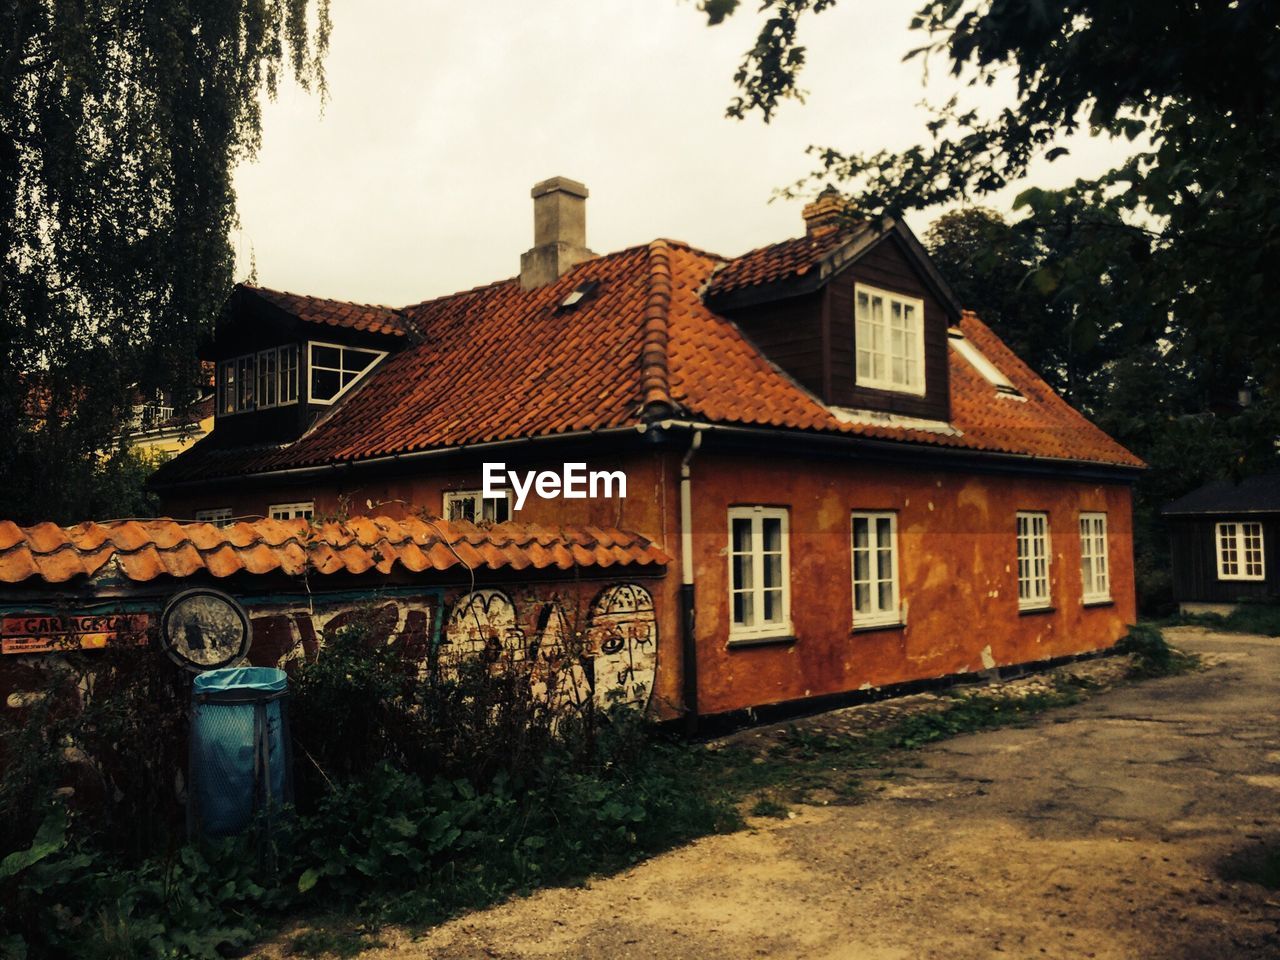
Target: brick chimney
559,232
829,210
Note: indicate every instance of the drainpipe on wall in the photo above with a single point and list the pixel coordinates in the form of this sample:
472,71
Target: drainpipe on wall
689,646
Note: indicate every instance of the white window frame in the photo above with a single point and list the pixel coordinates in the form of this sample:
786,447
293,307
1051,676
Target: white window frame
218,516
231,387
887,382
379,356
1035,590
286,375
876,615
760,629
1096,580
271,383
297,510
1235,563
484,505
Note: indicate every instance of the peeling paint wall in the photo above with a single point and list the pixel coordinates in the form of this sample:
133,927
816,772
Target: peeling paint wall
957,556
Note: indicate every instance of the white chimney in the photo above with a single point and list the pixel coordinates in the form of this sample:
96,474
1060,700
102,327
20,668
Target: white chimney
559,232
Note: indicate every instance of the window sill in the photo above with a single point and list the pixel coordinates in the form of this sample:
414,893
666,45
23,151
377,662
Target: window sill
1241,579
778,641
873,627
1031,611
1098,602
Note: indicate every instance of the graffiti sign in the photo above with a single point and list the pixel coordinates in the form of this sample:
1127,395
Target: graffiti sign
45,633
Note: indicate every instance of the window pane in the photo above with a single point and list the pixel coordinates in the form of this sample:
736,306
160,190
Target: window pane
330,357
324,384
862,598
772,570
772,527
772,606
497,509
742,572
743,611
741,535
884,569
886,596
357,361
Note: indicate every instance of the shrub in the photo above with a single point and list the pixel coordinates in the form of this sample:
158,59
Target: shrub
1151,653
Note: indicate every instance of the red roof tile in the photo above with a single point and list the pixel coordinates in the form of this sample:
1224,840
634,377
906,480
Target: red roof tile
334,313
146,549
500,363
790,258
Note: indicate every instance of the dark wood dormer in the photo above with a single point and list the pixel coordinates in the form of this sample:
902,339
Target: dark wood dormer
284,360
800,302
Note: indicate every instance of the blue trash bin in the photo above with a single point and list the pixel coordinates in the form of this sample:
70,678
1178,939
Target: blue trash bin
239,760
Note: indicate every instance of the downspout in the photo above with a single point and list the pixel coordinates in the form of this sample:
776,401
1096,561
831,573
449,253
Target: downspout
688,636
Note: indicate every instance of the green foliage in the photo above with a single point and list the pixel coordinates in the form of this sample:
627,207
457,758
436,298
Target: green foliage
413,829
1145,294
120,125
1152,655
1257,618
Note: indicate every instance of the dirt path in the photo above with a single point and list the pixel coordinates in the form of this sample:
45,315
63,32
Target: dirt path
1100,832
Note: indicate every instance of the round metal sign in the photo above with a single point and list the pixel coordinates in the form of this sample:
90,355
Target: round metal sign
205,629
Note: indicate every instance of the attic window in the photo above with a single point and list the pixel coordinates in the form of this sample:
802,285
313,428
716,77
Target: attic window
334,369
990,372
579,293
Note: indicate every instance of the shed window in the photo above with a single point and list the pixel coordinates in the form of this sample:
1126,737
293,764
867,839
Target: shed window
875,569
890,340
470,505
218,516
1033,561
335,369
1240,555
759,578
1094,567
299,510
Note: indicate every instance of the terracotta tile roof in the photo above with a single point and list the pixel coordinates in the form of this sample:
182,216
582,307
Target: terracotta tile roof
334,313
499,363
790,258
146,549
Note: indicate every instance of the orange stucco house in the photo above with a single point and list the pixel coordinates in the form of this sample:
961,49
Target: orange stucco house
857,483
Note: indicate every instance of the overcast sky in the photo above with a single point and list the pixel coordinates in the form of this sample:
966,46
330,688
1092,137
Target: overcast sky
414,179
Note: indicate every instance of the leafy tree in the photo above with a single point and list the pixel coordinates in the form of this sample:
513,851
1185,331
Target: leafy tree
1147,293
120,125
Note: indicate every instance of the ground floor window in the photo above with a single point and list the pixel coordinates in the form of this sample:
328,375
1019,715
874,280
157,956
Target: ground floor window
300,510
1240,555
218,516
875,569
470,505
1033,560
1093,557
759,586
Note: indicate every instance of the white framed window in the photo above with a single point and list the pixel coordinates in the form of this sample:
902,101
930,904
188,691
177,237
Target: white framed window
875,569
227,387
1095,571
256,381
759,573
1240,551
218,516
889,338
470,505
287,372
334,369
1033,561
268,381
299,510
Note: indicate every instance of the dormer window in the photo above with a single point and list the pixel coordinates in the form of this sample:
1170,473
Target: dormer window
257,381
335,369
889,340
